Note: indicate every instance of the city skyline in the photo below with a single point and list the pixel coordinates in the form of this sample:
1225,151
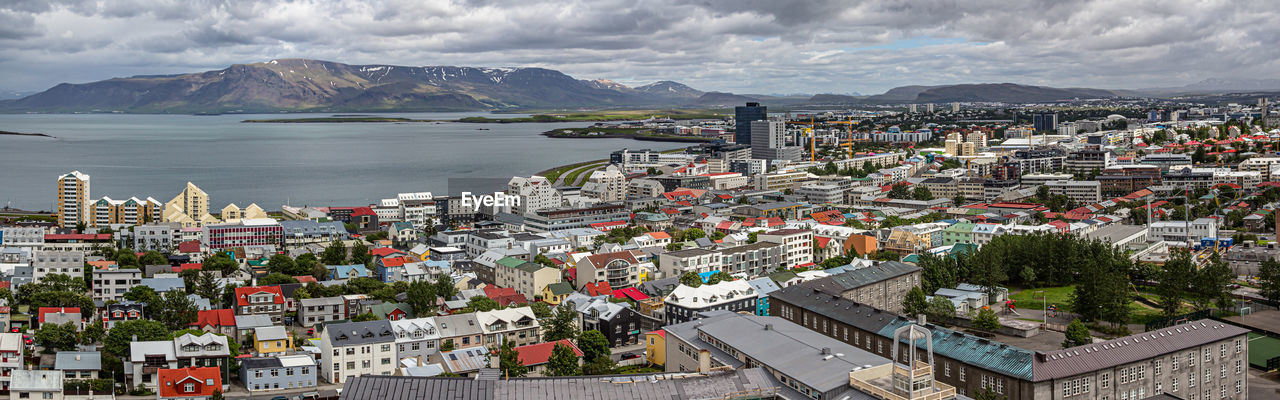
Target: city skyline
742,47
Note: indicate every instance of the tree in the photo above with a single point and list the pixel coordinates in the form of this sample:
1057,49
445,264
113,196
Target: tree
599,366
509,361
718,277
153,258
593,345
563,324
482,303
900,190
940,310
958,200
55,337
921,193
281,264
206,286
217,395
540,310
335,254
986,320
1269,279
915,302
563,362
93,332
220,262
1077,335
363,285
444,286
1174,281
276,278
119,337
178,311
421,295
365,317
691,279
987,394
360,254
126,258
447,345
305,265
145,295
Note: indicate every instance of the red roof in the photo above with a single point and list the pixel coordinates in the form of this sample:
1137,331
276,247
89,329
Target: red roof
190,246
362,211
243,293
305,278
632,293
822,241
384,251
188,266
606,226
396,261
223,317
598,289
56,310
204,381
535,354
660,332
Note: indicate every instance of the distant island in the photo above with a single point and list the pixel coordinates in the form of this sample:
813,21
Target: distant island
26,134
588,116
621,133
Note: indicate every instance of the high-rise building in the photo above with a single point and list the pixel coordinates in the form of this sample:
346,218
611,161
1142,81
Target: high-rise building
72,203
928,108
911,108
743,116
955,107
191,208
1044,121
769,141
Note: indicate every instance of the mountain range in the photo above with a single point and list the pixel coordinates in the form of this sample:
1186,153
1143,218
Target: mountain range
304,85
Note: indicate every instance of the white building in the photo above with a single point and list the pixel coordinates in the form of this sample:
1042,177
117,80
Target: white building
352,349
44,263
535,193
1177,231
798,244
608,184
676,263
416,338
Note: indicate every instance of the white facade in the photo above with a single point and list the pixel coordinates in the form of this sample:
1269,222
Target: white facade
535,194
608,184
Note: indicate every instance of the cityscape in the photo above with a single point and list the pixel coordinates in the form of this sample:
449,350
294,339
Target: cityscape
302,229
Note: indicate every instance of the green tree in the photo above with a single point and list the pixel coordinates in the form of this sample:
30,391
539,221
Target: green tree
940,310
360,254
220,262
126,258
421,295
305,265
900,190
718,277
335,254
482,303
444,286
1269,279
363,285
1174,282
153,258
915,302
540,310
119,337
593,345
691,279
93,332
206,286
563,362
55,337
986,320
447,345
987,394
365,317
563,324
958,200
599,366
1077,335
276,278
921,193
178,311
509,361
281,264
145,295
1212,285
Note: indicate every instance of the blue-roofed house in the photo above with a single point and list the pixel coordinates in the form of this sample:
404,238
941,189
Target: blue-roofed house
162,285
347,271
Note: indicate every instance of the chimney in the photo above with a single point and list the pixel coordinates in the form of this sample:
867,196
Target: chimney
768,327
920,319
704,361
826,351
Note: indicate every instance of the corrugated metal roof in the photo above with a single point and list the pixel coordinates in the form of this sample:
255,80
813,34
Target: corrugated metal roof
1087,358
983,353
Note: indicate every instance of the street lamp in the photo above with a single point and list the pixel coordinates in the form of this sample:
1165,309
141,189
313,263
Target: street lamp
1044,302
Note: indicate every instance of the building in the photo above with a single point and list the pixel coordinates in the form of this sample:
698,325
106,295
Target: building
743,117
270,340
78,364
620,324
567,218
115,313
685,302
1087,162
304,232
44,263
769,142
535,356
620,269
111,283
797,245
679,262
416,338
755,259
189,208
19,236
518,325
351,349
260,300
1101,370
1180,232
459,331
246,232
525,277
72,201
30,384
1044,121
606,185
486,385
188,383
1084,192
882,286
162,237
321,310
131,211
265,374
535,193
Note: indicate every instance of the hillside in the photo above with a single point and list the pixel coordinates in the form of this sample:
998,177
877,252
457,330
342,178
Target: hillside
311,85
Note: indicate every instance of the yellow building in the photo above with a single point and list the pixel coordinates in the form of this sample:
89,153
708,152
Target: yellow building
655,345
233,213
72,202
131,211
271,340
190,208
555,293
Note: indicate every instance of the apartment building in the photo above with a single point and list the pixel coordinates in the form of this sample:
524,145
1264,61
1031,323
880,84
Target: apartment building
301,233
1182,232
44,263
535,193
882,286
10,357
685,302
352,349
1261,165
620,269
113,282
260,300
606,185
518,325
246,232
71,205
460,331
753,259
18,236
321,310
525,277
779,181
1084,192
566,218
266,374
189,208
1085,162
163,237
797,244
131,211
416,338
676,263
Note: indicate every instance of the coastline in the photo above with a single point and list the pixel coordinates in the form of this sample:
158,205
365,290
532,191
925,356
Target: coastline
27,134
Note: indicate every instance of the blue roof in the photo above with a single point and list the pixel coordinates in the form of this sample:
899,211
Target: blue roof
990,355
162,285
346,271
707,275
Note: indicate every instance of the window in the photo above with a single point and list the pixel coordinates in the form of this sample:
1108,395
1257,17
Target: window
1222,350
1173,385
1105,380
1237,346
1237,387
1223,373
275,372
961,373
1191,359
1237,367
190,387
1000,386
1207,355
946,367
1175,362
1156,368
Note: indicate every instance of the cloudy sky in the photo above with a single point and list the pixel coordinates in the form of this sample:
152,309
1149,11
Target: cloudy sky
744,46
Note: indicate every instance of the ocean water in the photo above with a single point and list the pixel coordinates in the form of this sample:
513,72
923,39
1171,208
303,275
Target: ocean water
316,164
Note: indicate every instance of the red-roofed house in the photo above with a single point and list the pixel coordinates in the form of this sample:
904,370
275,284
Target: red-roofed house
535,356
217,321
505,296
187,266
597,289
619,269
189,247
189,383
305,279
384,251
608,226
260,300
630,293
60,315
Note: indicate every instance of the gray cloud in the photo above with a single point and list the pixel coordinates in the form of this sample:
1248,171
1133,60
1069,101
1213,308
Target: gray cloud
751,46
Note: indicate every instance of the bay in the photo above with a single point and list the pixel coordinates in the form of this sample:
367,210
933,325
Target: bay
271,164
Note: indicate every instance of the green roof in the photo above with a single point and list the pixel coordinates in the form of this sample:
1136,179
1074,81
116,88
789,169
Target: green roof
510,262
782,276
385,308
560,288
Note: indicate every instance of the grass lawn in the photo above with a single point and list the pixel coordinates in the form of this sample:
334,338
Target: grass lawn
573,176
1061,296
